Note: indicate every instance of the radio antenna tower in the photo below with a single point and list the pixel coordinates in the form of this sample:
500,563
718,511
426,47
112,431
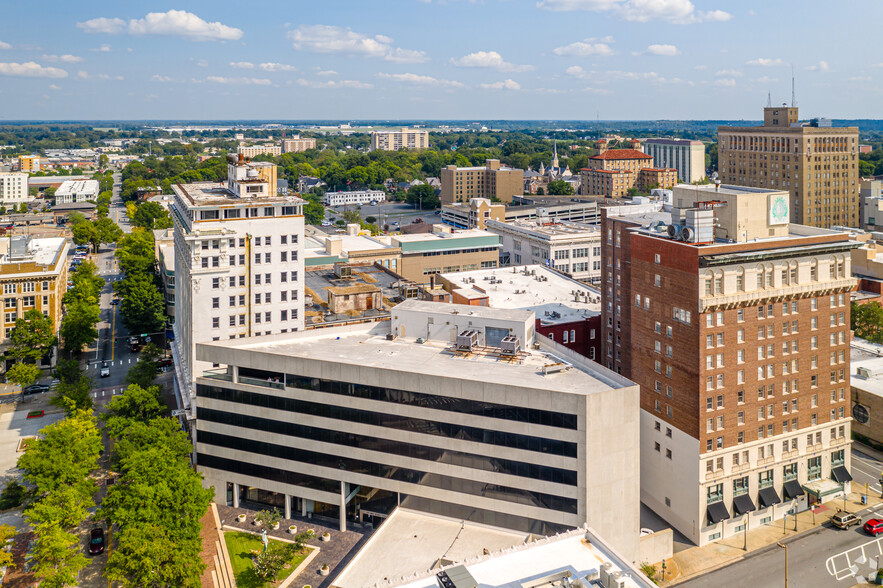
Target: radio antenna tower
793,94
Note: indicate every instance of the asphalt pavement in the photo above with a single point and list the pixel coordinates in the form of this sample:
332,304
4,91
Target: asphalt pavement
387,213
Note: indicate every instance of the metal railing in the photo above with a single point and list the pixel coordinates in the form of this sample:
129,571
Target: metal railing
280,385
218,374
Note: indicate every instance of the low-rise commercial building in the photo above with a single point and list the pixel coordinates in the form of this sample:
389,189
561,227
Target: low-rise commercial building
75,191
684,155
866,384
493,181
478,211
871,203
14,188
574,249
28,164
33,276
400,139
326,420
426,254
355,197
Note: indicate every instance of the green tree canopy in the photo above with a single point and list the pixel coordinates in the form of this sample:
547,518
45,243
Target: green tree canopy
23,374
143,306
108,231
134,405
135,253
32,336
867,321
85,233
423,195
560,188
78,328
151,215
143,373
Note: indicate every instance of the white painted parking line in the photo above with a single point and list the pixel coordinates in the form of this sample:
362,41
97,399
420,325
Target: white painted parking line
846,564
102,393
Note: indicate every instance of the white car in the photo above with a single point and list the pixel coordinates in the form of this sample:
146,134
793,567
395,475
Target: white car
327,223
105,370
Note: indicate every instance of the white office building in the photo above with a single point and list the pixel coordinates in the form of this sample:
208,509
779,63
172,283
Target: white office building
574,249
14,188
432,410
77,191
354,197
238,263
686,156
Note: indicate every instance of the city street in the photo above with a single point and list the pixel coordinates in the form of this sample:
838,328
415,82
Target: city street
808,554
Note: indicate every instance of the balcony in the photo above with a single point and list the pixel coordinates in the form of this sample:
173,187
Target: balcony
268,383
218,374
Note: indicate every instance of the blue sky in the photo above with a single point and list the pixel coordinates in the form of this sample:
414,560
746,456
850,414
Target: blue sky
438,59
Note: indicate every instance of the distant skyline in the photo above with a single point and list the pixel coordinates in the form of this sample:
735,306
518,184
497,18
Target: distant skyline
438,59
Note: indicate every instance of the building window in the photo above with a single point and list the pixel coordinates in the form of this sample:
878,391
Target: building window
715,494
216,322
216,283
814,468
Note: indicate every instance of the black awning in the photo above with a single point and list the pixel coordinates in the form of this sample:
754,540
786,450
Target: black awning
717,512
792,489
742,504
767,497
841,475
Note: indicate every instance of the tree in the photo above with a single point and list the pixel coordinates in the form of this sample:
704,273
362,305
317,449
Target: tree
143,373
135,404
151,215
143,305
11,497
268,518
78,328
102,161
65,507
74,396
423,195
314,212
86,233
58,556
23,374
32,337
108,231
867,321
560,188
135,252
87,284
153,556
7,532
269,563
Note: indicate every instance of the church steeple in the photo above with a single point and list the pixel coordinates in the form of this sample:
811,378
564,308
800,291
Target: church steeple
555,154
542,168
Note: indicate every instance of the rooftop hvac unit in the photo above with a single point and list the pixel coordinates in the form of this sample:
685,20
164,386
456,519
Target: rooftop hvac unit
456,577
699,227
617,580
866,372
467,340
510,345
606,568
674,231
341,270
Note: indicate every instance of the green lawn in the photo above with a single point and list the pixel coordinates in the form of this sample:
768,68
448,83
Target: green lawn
239,545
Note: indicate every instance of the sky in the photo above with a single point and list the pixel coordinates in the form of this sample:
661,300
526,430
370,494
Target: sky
438,59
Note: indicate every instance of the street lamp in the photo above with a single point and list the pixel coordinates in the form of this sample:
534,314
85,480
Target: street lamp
785,547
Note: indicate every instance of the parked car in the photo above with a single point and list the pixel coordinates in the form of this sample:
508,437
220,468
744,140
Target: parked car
96,541
873,526
845,520
36,389
165,362
105,370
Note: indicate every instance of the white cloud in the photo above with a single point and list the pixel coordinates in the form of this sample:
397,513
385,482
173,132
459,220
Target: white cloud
575,71
84,75
159,78
331,39
175,23
504,85
31,69
820,66
54,87
326,72
110,26
725,82
420,80
62,58
766,80
766,62
663,50
730,73
270,66
239,81
105,48
201,63
242,64
490,59
585,48
674,11
5,45
335,84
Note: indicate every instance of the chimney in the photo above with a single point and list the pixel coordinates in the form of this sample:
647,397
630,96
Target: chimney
241,158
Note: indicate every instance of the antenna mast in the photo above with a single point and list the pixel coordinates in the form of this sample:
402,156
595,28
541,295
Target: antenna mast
769,99
793,95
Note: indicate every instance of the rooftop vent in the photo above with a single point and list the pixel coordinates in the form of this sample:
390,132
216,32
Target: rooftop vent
341,270
510,345
456,577
467,340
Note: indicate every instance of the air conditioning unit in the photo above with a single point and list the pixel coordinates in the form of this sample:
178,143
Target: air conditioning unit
674,231
617,580
510,345
467,339
604,576
865,373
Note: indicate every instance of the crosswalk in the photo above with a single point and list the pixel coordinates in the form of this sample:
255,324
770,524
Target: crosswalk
96,364
107,392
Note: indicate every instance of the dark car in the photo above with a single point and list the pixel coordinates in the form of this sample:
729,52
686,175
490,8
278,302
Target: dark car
115,301
873,526
96,541
165,362
36,389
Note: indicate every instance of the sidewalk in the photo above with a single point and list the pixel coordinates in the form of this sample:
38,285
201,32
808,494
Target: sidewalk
696,561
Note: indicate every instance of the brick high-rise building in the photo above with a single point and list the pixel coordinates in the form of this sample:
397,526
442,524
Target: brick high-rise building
737,330
492,180
613,172
815,162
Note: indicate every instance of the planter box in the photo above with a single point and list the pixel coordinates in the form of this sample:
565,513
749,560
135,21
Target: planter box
241,518
292,530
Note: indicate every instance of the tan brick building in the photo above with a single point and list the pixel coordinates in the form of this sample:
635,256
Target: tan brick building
401,139
816,163
460,184
614,172
737,330
33,275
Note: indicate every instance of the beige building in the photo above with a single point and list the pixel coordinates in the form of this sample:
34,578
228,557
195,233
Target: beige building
445,251
686,156
871,201
867,394
33,275
255,150
816,163
297,144
401,139
14,188
614,172
494,181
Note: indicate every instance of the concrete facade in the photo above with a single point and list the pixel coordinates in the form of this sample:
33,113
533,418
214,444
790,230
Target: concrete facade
871,202
14,188
401,139
461,184
614,172
867,399
684,155
522,450
297,144
77,191
816,164
354,197
424,255
255,150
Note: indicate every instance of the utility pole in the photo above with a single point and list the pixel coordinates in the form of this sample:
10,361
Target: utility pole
785,547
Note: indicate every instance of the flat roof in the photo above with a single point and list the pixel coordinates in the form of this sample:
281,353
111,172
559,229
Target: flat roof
576,555
872,384
40,251
365,278
552,228
730,189
672,141
410,542
77,187
462,234
216,193
518,287
366,345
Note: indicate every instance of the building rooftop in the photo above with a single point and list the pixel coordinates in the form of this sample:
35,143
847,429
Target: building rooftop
459,234
216,194
551,230
409,542
78,187
607,171
867,375
672,141
74,206
622,154
366,344
40,251
46,180
552,297
574,559
168,257
365,278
